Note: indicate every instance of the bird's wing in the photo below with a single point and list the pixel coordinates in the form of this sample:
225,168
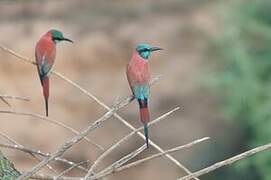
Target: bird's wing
141,92
138,77
44,65
45,55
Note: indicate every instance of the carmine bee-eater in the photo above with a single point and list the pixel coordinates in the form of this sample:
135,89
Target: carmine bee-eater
45,53
138,76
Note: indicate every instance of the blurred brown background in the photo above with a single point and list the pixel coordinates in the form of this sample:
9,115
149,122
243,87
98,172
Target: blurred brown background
105,34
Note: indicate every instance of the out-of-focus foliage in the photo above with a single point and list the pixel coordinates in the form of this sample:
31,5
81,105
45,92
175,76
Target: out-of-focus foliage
7,170
243,78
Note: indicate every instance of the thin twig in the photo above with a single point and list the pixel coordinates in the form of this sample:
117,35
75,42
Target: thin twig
129,156
68,144
196,174
38,152
5,101
9,138
227,161
189,145
50,177
32,154
121,161
102,104
70,168
124,139
14,97
60,124
112,169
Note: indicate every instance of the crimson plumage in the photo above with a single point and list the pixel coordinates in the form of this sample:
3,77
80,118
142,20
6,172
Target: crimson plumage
138,75
45,53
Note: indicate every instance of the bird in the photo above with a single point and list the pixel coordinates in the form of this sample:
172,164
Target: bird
138,75
45,53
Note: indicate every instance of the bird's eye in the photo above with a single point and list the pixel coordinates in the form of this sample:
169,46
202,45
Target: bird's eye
56,38
144,50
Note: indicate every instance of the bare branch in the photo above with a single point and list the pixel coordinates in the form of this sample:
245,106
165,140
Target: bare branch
60,124
50,177
124,139
120,162
9,138
38,152
25,59
32,154
70,168
24,149
112,168
117,164
14,97
5,101
129,156
102,104
68,144
227,161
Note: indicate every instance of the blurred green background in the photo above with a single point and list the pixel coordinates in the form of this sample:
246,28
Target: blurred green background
242,80
216,67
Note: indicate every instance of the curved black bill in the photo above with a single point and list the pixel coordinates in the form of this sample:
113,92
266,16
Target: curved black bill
66,39
156,49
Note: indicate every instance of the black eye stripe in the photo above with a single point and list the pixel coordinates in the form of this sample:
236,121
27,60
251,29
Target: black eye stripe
56,38
143,50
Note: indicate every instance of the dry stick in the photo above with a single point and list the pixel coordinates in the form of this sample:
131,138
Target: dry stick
8,138
129,156
60,124
227,161
189,145
38,152
127,124
112,169
123,160
70,168
5,101
50,177
124,139
68,144
102,104
32,154
71,163
15,97
198,173
117,166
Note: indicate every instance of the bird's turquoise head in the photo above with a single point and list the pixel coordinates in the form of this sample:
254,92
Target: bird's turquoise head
57,36
145,50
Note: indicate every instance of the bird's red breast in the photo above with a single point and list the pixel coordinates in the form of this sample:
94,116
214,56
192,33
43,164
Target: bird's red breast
138,70
45,49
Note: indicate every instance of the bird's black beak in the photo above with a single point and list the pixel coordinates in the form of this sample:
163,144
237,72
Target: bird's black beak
156,49
66,39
